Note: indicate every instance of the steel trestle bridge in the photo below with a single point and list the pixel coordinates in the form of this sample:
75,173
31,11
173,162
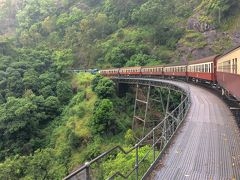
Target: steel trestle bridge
207,145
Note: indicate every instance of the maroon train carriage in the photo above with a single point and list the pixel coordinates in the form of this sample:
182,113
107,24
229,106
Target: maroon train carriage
152,70
203,69
110,72
228,72
130,71
179,70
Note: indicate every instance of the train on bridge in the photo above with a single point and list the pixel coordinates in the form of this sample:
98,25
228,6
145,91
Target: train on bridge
220,70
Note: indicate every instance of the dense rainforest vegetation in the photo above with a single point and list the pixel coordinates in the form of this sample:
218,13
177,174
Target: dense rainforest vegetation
51,120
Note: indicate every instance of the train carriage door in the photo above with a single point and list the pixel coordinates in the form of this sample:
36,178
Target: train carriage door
211,69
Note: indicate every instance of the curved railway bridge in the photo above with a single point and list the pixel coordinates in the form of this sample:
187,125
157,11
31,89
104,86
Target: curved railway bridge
207,144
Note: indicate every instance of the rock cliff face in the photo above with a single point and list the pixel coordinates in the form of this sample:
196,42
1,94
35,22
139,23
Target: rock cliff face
194,23
214,42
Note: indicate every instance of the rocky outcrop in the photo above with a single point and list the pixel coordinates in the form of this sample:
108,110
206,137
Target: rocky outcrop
215,41
195,24
236,38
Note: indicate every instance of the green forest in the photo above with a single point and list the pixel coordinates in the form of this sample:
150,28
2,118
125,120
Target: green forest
52,120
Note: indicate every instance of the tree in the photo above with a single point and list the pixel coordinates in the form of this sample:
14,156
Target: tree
52,107
14,82
95,81
63,59
13,168
1,99
103,121
105,88
18,124
31,80
64,92
44,165
18,114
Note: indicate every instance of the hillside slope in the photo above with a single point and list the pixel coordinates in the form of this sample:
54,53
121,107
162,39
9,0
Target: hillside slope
51,121
106,33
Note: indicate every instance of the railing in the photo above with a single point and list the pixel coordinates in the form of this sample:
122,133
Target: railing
160,137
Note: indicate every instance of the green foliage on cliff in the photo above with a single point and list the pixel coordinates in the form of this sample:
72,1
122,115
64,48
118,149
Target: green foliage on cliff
52,121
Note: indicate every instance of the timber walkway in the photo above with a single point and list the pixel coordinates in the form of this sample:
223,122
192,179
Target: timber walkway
207,146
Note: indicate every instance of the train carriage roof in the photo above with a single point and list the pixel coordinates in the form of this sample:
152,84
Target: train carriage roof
110,69
203,60
157,66
230,50
176,64
133,67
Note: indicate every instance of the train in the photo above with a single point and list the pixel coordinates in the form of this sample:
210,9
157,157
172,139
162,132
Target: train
221,71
